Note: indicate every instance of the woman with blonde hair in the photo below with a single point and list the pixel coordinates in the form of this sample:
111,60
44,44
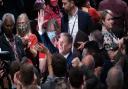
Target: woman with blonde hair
31,42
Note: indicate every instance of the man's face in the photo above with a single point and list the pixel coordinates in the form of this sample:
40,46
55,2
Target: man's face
67,5
8,25
63,45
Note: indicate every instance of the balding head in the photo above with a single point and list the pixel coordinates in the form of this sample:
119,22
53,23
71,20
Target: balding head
115,78
88,61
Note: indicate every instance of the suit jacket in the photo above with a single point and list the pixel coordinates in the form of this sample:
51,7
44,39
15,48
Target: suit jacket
69,60
46,41
5,46
84,22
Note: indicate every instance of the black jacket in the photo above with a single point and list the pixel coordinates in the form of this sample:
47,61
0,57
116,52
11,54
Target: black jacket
5,46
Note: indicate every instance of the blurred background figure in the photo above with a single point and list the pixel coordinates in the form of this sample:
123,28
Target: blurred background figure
119,9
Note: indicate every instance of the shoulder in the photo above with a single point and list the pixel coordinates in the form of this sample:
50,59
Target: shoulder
33,36
80,12
61,83
49,83
2,36
65,16
18,40
105,33
17,37
83,16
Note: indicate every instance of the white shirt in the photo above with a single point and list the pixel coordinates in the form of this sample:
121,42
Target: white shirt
73,25
65,56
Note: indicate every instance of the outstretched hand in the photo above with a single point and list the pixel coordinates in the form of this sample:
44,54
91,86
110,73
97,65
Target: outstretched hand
41,20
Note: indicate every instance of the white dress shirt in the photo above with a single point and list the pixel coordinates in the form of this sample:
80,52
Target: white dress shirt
73,24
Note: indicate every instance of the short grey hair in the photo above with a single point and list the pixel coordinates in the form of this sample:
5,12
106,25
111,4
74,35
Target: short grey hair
10,15
68,36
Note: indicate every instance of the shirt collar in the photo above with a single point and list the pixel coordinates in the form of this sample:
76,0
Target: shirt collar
65,56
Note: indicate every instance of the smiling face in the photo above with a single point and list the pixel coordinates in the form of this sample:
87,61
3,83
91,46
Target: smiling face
63,45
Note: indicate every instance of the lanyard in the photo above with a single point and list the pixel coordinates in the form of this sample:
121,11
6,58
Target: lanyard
73,25
13,46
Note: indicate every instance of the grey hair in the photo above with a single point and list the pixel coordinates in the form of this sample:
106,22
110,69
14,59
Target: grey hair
115,77
89,57
10,15
68,36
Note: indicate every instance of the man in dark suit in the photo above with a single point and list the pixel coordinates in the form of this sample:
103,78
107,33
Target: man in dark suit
65,46
9,42
75,19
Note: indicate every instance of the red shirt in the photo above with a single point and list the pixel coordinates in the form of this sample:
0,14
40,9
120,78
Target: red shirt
50,14
94,14
33,41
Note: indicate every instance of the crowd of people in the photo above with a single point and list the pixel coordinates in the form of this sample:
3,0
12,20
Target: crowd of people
63,44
